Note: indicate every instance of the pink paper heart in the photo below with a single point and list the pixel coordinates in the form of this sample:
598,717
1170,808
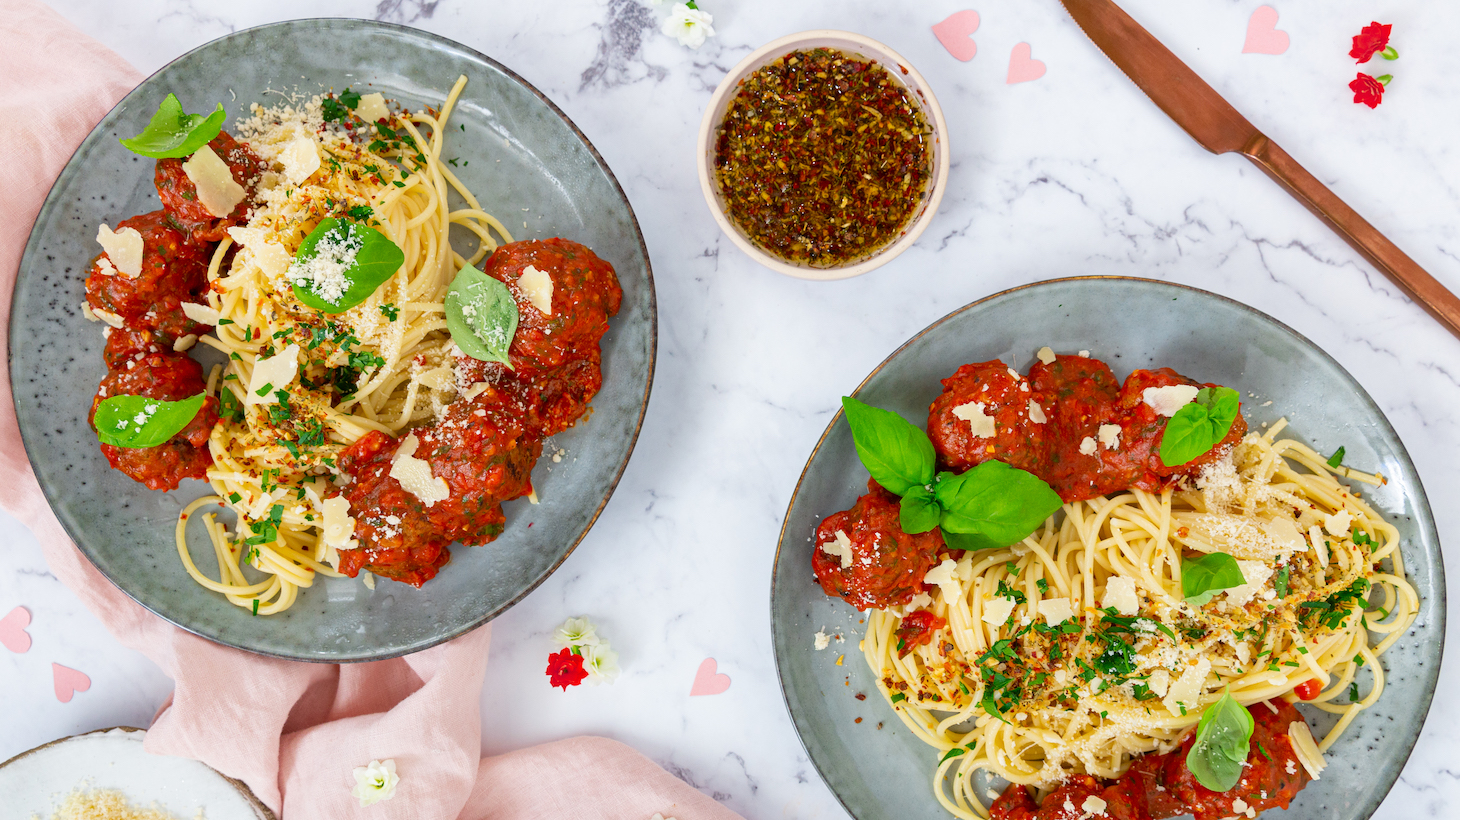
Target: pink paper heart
1263,36
68,682
12,630
707,681
1022,66
956,34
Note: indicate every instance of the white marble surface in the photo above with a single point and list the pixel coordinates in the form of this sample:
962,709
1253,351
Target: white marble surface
1075,173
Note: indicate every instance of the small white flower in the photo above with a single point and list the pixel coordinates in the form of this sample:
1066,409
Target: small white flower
576,632
690,26
375,782
601,663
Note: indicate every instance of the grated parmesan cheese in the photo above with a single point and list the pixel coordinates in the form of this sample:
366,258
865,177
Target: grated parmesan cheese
324,273
1087,446
823,640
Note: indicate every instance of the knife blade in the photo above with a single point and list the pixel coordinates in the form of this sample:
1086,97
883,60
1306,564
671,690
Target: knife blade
1218,127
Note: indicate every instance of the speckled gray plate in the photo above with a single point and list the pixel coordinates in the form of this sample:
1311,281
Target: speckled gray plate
526,162
877,768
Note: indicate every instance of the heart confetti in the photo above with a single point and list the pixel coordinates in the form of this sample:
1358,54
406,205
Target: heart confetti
12,630
956,34
68,682
1022,66
1263,36
708,681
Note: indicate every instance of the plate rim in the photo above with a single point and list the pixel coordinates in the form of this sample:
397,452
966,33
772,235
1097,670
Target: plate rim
32,251
1421,499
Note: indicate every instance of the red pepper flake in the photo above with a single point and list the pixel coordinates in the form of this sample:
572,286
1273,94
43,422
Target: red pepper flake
1373,39
822,158
858,720
565,669
861,696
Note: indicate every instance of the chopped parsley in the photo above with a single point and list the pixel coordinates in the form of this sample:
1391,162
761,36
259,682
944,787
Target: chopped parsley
390,311
360,213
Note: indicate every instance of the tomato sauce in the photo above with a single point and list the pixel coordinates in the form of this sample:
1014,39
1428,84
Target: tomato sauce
1159,786
180,196
173,272
917,630
887,565
1075,396
170,377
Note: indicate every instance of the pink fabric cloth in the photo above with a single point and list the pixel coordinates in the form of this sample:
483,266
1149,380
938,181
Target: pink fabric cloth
293,732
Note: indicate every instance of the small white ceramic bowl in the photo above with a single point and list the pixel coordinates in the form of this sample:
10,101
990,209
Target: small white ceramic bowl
857,46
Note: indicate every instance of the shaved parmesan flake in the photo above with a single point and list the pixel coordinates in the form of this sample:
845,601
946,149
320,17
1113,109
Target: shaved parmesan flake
980,423
1320,544
1167,400
338,525
123,248
1045,355
107,316
1306,750
1093,805
996,611
1056,611
537,286
1285,533
202,314
840,546
1120,592
1087,445
945,576
1110,436
1255,574
185,342
1036,413
274,373
414,474
919,601
217,190
300,158
1158,682
372,107
1338,523
88,315
1185,693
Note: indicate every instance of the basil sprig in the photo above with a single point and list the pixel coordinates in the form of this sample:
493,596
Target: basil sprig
376,260
171,133
481,316
1223,741
1199,426
137,421
1202,578
989,506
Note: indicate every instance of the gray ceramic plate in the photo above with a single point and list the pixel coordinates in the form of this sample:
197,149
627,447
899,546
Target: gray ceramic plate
877,768
526,162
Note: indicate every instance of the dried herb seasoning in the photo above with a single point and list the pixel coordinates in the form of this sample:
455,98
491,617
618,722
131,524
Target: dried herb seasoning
823,158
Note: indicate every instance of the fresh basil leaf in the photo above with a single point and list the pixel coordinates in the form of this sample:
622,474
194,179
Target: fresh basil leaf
952,753
1337,458
896,453
1204,577
919,511
1223,741
171,133
996,501
363,256
969,541
1199,426
481,315
137,421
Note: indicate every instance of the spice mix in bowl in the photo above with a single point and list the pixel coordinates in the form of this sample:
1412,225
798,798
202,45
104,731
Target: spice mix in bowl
823,155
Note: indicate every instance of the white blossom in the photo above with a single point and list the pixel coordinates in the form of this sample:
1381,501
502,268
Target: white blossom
375,782
601,663
690,26
576,632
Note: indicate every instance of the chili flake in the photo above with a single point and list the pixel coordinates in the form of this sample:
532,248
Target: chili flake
823,158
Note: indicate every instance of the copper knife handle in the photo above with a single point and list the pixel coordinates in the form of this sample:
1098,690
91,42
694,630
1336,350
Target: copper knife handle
1424,289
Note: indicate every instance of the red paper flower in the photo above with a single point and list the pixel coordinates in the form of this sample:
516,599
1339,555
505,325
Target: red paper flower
1368,90
565,669
1372,40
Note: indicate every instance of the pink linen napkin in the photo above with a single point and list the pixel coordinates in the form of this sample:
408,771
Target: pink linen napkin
294,732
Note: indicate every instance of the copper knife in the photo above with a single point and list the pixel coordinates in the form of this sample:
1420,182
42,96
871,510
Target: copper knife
1219,128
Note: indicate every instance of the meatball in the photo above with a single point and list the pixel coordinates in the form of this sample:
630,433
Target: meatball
180,196
886,565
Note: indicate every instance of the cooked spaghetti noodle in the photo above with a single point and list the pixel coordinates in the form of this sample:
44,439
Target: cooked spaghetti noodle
383,365
1009,688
